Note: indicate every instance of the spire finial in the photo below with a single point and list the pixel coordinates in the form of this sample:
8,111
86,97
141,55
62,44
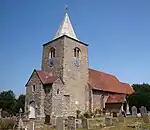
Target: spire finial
66,9
66,27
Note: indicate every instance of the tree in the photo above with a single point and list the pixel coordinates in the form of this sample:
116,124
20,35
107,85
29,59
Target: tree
10,104
20,102
7,101
141,97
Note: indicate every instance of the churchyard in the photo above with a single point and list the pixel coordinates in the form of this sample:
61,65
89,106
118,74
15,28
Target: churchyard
103,121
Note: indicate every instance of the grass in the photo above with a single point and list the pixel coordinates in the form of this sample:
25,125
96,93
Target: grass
129,124
129,121
6,124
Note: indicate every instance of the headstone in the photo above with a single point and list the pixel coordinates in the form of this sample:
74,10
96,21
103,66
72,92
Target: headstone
127,110
78,123
71,123
0,112
60,123
145,118
143,110
121,118
134,111
108,121
53,120
84,123
20,110
20,125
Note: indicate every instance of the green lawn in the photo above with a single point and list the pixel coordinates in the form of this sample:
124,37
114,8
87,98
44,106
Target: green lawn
128,124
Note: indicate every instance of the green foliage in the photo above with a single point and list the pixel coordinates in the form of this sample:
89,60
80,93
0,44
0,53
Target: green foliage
19,104
7,101
88,114
98,111
9,104
141,97
141,88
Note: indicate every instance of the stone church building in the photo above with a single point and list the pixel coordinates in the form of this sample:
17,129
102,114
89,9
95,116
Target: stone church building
65,82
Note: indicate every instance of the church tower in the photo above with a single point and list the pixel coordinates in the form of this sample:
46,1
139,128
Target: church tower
67,57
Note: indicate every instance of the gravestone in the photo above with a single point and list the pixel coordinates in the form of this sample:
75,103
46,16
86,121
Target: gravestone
20,124
143,110
145,118
53,120
78,123
127,110
20,110
0,112
84,123
121,118
71,123
108,121
134,111
60,123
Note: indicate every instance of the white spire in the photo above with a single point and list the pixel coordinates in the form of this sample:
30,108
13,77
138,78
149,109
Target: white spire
66,28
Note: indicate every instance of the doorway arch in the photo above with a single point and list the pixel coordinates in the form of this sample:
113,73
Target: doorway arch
32,110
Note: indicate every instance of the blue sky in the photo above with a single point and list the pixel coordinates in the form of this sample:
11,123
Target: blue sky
117,31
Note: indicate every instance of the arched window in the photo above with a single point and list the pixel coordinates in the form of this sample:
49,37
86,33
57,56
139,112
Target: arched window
52,53
77,52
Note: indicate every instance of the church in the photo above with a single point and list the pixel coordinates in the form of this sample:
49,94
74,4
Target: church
66,84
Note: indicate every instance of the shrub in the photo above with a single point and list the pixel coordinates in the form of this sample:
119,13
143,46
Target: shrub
98,111
88,114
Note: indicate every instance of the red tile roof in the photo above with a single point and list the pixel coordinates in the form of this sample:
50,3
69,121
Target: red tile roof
107,82
97,80
128,88
46,77
116,98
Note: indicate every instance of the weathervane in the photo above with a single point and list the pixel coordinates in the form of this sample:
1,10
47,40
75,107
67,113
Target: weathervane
66,9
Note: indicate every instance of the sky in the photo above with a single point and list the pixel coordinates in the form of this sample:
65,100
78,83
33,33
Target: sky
117,31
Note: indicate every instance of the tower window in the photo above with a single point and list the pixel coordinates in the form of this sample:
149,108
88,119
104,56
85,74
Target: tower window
77,52
52,53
